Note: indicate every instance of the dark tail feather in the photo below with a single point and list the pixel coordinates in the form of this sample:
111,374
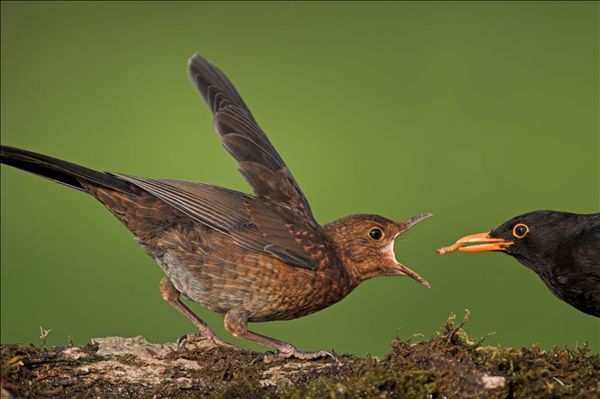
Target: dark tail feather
60,171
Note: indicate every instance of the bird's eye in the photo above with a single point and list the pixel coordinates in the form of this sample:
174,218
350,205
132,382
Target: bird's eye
376,233
520,230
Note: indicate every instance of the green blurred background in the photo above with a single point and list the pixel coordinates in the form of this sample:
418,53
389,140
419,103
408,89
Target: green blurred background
474,111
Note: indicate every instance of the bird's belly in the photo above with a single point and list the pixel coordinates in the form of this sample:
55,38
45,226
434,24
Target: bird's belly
264,287
204,288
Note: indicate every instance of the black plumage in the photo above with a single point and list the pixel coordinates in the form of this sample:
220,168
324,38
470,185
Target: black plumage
562,248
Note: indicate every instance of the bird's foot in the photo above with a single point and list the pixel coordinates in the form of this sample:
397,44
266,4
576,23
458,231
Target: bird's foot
204,340
290,352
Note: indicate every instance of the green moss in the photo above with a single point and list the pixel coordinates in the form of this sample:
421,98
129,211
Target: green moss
451,364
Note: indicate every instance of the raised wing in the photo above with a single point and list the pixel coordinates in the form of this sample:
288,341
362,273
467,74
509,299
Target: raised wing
255,224
258,160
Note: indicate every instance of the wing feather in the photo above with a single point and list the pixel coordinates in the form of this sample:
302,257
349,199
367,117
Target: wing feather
253,223
279,219
244,139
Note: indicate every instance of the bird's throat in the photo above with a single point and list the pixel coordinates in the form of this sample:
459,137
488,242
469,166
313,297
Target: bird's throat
388,252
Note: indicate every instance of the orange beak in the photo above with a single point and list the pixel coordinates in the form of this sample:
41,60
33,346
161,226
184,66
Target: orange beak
477,243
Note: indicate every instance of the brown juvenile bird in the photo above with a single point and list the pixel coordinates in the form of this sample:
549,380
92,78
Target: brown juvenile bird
250,257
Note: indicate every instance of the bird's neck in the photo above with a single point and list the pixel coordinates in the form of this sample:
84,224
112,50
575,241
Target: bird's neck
360,272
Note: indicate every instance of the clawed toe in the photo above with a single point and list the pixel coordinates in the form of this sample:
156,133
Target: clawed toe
197,338
189,339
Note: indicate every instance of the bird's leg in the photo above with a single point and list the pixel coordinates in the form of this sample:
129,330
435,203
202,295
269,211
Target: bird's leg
236,322
171,295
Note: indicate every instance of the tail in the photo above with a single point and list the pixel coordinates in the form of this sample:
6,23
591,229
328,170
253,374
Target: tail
60,171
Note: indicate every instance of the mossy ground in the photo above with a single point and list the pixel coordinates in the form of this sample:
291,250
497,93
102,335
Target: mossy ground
450,365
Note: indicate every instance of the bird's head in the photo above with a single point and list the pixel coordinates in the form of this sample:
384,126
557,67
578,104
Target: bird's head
366,245
532,238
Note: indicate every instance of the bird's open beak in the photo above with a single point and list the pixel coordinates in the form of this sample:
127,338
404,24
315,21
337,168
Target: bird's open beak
410,222
476,243
400,268
405,271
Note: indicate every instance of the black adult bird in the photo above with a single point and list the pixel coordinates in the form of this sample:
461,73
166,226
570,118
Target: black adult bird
562,248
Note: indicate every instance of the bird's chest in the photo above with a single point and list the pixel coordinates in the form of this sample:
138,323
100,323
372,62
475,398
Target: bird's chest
300,293
570,286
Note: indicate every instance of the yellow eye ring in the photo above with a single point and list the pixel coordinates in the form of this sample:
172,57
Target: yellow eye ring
520,230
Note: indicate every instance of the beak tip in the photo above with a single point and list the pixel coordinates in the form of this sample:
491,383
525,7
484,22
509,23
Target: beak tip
410,222
424,215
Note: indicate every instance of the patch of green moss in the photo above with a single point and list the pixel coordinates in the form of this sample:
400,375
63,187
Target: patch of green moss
451,364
